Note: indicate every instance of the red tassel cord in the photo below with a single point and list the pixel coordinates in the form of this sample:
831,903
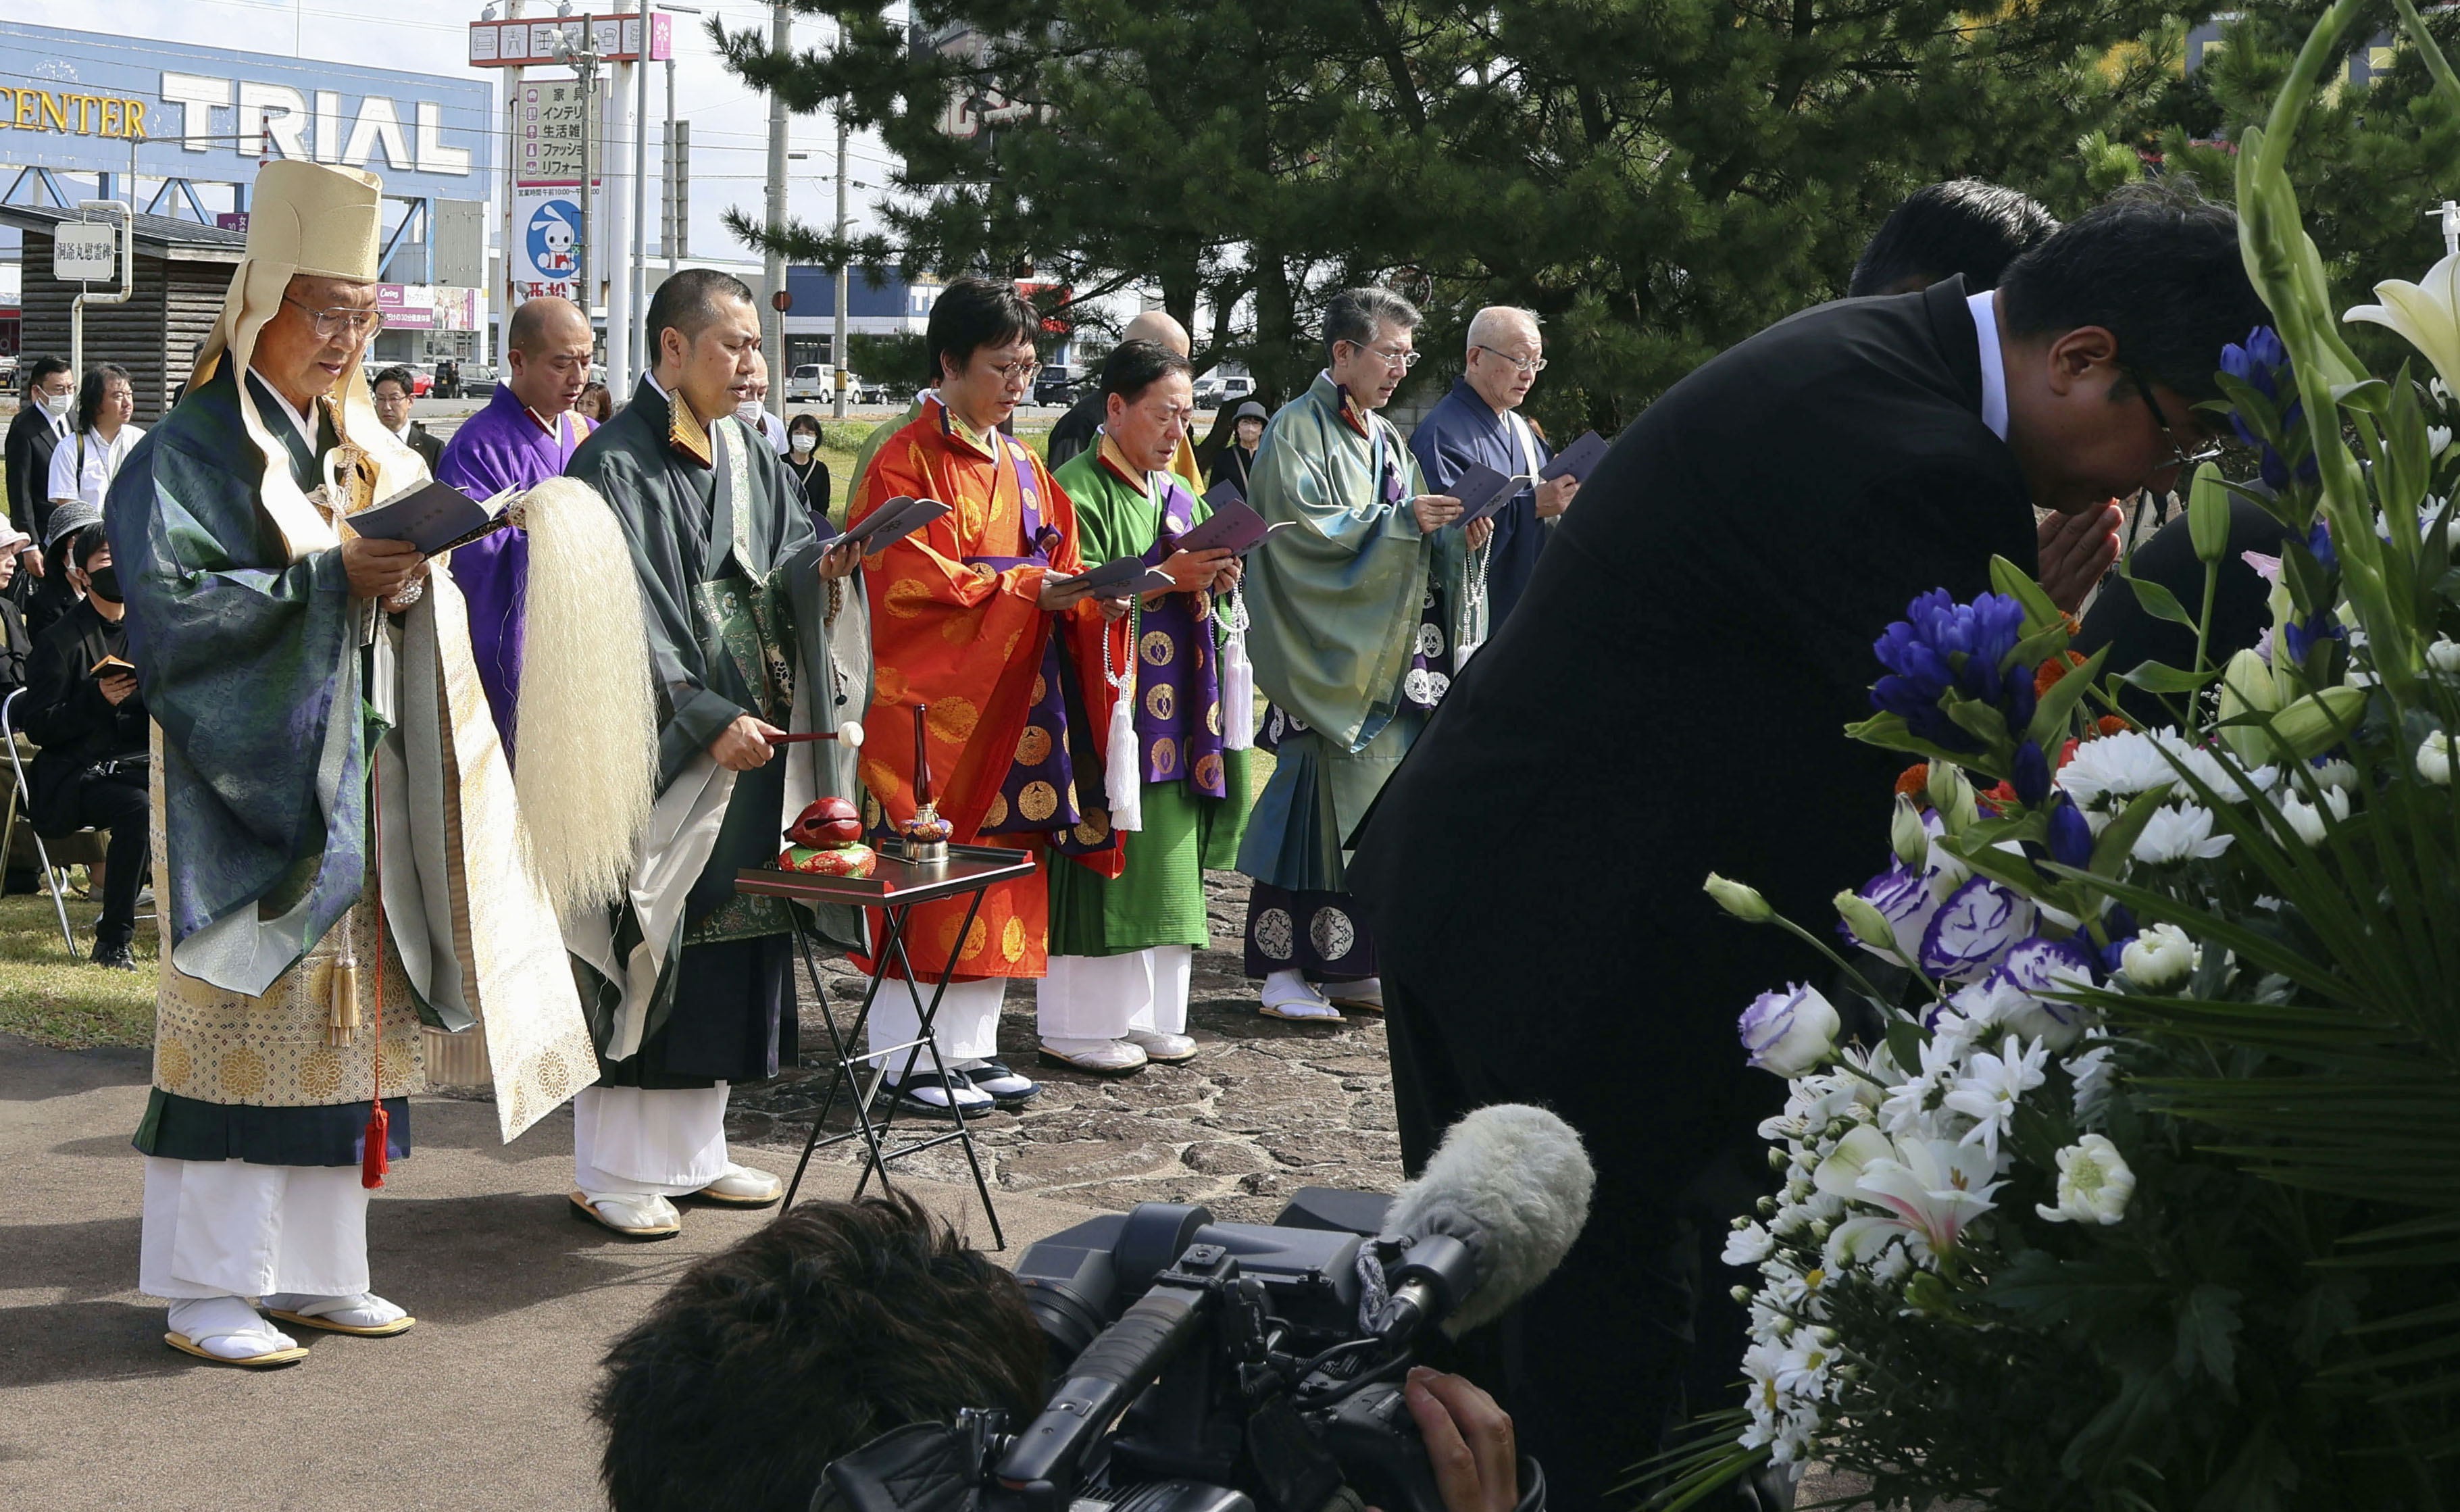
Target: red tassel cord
372,1163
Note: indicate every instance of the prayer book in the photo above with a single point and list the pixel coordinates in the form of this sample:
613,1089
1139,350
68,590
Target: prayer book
432,515
1223,494
891,523
1482,491
1579,459
1235,527
112,666
1119,579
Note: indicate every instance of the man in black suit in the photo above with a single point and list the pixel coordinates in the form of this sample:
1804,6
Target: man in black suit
91,725
43,421
1669,698
392,390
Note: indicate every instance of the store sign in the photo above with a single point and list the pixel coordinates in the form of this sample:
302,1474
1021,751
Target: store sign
84,253
426,306
91,102
546,245
531,44
552,145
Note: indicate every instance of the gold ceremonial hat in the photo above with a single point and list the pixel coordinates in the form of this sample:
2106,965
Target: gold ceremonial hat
326,222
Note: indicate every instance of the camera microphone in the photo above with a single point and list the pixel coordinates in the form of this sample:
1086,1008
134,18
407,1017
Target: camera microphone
1490,1217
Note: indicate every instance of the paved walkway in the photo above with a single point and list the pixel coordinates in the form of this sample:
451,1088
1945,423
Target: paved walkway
480,1407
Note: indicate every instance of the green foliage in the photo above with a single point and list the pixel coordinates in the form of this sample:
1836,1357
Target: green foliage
900,361
1658,177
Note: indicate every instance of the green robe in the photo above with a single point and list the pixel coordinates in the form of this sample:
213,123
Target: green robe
1159,898
739,622
1333,607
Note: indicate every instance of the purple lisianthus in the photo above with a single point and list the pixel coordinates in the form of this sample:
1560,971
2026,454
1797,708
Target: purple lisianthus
1974,930
1904,899
2040,965
1941,645
1790,1032
2070,836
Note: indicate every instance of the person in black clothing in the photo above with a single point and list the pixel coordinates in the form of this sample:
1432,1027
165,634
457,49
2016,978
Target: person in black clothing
91,768
43,421
803,464
1233,460
14,643
1670,699
1965,226
57,592
392,392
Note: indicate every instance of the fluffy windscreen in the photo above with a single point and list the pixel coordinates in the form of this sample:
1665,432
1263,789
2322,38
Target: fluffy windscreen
1510,1181
585,767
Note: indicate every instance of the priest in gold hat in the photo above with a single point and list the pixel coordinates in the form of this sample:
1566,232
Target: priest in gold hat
333,801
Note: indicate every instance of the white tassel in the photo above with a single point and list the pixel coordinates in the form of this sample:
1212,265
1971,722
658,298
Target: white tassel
1120,778
1238,682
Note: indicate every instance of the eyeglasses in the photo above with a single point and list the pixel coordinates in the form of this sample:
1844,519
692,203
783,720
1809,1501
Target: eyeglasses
1016,371
2179,455
1403,360
340,320
1533,366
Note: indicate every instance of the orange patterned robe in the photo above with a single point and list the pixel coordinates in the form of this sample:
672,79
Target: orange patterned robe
966,639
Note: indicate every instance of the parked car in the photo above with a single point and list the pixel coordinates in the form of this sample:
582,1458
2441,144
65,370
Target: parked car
811,380
1217,388
1058,384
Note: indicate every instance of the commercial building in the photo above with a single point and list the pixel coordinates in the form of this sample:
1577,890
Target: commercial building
178,131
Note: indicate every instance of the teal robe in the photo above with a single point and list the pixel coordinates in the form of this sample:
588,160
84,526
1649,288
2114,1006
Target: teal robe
1333,607
1159,898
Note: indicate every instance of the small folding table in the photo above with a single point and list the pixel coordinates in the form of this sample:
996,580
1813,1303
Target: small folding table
896,887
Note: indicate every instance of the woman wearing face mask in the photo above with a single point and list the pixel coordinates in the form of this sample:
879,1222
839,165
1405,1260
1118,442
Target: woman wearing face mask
804,465
58,592
90,720
83,465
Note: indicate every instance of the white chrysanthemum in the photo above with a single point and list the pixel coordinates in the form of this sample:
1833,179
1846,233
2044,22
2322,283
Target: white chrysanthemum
2159,958
2207,769
2444,656
2096,1079
2305,819
2117,765
1990,1091
2094,1184
2434,758
1749,1245
2177,832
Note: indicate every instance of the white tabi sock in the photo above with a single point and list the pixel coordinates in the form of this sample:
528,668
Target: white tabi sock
227,1328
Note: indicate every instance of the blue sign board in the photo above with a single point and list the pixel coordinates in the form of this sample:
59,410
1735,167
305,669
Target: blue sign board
76,101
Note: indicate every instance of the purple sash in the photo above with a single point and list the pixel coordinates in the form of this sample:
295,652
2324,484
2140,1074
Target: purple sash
1178,677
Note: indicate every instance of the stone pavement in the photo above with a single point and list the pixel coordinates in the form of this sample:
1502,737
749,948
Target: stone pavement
1265,1108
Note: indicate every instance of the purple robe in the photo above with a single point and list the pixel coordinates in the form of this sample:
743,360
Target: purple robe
502,446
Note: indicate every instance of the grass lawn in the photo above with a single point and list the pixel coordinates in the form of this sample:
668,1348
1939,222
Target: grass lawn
46,997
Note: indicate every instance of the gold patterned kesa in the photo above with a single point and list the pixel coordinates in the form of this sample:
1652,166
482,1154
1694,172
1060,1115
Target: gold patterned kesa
1213,718
554,1077
957,629
953,720
872,817
1204,604
1165,759
1161,700
887,686
1095,828
1157,649
905,597
1208,771
173,1066
1037,801
1041,691
881,779
1012,937
976,938
996,814
1033,746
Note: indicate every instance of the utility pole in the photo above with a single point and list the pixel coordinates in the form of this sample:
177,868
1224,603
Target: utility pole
773,262
621,222
582,60
671,233
838,353
637,291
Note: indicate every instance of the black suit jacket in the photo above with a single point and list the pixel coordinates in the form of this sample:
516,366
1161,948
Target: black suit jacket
68,718
28,453
1076,429
1670,698
428,447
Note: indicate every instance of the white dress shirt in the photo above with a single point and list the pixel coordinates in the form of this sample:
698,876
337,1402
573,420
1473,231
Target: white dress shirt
1994,367
82,466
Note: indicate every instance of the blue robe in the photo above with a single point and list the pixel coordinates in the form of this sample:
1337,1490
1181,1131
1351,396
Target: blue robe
1463,430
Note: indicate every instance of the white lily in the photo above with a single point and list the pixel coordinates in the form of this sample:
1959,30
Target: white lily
1932,1190
2426,315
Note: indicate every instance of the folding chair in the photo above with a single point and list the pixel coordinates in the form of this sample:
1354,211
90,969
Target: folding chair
21,798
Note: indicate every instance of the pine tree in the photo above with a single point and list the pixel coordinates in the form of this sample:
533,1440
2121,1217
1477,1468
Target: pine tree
1659,179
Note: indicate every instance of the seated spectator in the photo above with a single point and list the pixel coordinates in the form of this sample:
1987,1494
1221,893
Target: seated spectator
54,595
83,464
89,718
14,643
596,403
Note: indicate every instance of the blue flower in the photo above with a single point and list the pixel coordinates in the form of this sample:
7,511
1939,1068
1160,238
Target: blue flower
2299,637
2262,364
1942,646
1973,930
2032,777
2318,540
2070,837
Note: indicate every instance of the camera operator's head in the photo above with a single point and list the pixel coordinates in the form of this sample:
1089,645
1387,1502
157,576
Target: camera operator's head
828,1328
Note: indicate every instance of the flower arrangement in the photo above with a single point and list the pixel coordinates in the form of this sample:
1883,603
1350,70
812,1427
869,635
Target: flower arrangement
2145,1191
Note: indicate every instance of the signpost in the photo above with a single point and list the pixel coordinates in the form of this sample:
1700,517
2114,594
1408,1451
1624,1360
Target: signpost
82,252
